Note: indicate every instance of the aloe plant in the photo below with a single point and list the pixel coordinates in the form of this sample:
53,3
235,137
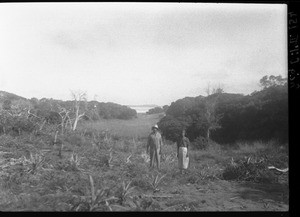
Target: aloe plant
125,190
35,161
156,182
109,160
96,198
74,160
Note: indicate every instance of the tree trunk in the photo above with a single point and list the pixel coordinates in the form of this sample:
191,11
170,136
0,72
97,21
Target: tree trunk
41,127
55,137
62,123
208,134
75,124
78,117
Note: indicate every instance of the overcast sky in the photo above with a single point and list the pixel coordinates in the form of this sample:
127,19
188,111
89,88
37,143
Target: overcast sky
139,53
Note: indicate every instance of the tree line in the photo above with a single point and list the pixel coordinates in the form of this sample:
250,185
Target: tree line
157,110
227,118
18,114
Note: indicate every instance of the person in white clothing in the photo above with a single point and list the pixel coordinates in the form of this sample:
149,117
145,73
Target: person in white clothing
183,144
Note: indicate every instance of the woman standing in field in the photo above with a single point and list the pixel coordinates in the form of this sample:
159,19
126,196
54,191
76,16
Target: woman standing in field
182,152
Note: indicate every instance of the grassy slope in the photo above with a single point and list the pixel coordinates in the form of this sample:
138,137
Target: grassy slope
135,128
63,184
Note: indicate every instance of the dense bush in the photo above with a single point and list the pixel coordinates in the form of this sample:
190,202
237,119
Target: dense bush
155,110
18,114
15,125
171,127
247,170
110,111
262,115
200,143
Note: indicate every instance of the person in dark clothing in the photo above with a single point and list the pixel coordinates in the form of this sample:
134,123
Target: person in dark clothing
154,144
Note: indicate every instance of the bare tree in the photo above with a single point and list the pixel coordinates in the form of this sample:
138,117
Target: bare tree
38,120
80,99
218,89
207,90
71,116
212,117
64,114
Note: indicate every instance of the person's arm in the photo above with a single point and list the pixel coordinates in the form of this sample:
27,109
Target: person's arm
161,144
187,146
188,143
177,147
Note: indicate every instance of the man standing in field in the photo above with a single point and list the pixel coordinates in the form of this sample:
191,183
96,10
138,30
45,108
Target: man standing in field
154,144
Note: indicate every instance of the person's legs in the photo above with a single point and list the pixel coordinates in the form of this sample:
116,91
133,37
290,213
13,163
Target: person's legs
157,157
184,160
180,160
152,153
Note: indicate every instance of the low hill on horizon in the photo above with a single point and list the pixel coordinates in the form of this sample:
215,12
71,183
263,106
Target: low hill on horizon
9,96
93,110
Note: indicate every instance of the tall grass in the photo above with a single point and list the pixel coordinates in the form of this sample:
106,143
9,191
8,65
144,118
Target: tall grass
134,128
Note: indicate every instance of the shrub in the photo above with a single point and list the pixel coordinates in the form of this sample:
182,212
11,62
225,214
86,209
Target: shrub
155,110
124,191
75,139
247,170
171,127
96,199
16,125
141,183
200,143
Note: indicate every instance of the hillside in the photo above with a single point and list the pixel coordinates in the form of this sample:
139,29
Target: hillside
93,110
227,118
9,96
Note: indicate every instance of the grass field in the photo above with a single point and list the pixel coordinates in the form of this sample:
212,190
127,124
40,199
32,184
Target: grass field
136,128
108,171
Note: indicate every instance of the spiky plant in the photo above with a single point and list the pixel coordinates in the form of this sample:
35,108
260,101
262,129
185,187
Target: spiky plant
125,191
169,158
96,199
128,159
155,182
109,160
74,160
35,162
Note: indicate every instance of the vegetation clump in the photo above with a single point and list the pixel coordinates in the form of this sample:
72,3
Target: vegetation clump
48,163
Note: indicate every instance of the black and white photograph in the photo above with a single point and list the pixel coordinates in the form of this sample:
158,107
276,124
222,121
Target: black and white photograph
144,107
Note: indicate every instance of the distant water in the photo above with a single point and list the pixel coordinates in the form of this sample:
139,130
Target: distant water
141,109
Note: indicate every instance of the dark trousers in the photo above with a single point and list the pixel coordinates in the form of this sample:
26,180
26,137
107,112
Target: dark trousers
154,156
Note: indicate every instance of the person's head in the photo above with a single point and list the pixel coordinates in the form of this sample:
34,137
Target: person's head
155,128
183,133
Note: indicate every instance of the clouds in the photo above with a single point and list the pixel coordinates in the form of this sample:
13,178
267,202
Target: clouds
66,40
122,52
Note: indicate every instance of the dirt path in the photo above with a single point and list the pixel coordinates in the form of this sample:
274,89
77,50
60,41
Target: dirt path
221,195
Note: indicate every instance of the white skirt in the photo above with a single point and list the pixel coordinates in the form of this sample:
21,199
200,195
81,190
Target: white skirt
183,160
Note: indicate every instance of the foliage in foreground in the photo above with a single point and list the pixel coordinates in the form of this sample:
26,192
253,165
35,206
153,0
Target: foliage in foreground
102,173
254,161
